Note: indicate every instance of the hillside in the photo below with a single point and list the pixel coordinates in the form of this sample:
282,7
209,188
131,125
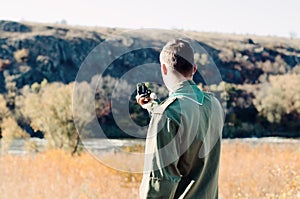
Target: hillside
30,53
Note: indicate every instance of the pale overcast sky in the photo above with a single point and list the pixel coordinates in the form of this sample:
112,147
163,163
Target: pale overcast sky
261,17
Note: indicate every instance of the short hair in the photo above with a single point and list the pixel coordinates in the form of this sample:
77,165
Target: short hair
179,55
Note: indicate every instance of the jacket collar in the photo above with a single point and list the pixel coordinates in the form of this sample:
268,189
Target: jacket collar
183,86
188,89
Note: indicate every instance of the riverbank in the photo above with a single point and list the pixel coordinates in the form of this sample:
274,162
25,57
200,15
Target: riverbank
20,146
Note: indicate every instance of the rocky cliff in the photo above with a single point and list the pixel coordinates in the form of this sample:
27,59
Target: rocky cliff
31,52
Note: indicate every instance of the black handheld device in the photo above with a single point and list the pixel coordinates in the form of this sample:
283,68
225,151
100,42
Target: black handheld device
143,90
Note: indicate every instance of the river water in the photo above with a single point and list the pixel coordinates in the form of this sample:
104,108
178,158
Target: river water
17,146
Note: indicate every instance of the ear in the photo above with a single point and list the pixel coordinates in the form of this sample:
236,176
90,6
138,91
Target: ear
164,69
194,69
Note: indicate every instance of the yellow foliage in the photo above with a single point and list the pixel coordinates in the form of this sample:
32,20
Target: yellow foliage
21,55
279,97
50,110
4,112
10,129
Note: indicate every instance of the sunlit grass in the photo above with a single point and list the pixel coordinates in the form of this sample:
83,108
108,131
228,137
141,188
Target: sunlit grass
260,171
57,174
247,171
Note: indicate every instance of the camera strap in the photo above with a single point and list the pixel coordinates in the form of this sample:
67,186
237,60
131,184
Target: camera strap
182,96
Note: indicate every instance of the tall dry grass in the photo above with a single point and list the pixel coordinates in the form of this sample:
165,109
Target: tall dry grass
56,174
247,171
260,170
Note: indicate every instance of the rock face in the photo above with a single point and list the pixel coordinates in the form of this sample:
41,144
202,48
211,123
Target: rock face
11,26
31,52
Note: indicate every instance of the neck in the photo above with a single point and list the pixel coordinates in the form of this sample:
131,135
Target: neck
171,81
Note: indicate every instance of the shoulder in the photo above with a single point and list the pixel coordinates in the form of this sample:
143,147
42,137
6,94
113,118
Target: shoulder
213,105
170,109
168,105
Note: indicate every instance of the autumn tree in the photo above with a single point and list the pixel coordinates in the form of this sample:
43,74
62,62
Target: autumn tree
3,111
9,128
279,100
48,109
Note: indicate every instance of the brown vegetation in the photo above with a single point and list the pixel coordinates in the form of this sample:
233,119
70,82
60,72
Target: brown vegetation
21,55
48,107
4,63
279,98
260,170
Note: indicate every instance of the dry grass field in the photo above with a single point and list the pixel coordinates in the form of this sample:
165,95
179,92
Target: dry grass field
260,170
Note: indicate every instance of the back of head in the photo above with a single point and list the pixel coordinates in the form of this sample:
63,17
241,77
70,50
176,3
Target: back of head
179,55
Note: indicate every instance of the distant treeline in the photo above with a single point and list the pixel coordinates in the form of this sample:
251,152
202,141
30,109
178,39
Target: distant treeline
45,110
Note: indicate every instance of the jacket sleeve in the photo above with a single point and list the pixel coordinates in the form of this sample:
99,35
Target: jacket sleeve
162,176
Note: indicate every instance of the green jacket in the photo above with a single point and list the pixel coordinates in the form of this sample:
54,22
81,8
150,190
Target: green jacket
183,146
